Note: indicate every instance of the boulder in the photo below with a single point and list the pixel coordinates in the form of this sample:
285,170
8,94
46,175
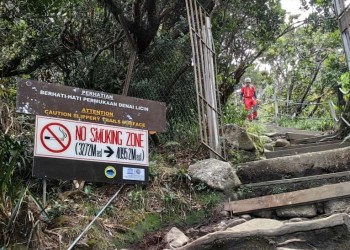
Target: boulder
238,137
214,173
175,238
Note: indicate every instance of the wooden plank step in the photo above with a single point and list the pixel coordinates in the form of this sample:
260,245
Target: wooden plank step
312,195
303,150
292,146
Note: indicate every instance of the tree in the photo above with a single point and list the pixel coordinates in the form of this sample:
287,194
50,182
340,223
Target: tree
243,30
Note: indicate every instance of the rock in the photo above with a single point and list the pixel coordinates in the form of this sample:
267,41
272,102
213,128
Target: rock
238,137
336,206
269,146
282,143
221,226
327,233
306,211
296,220
206,229
215,173
234,222
231,134
175,238
246,217
224,213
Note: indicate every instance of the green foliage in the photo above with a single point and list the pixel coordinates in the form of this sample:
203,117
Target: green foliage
210,199
55,210
256,128
278,190
321,124
186,132
201,186
14,163
174,201
182,176
15,170
345,81
137,198
235,114
244,192
150,222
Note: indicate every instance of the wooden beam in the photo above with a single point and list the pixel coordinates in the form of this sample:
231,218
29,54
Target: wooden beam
303,150
305,196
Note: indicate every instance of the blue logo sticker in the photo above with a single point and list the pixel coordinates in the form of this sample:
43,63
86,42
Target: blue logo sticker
110,172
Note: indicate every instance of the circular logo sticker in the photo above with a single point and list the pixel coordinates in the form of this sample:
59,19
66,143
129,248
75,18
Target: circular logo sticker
110,172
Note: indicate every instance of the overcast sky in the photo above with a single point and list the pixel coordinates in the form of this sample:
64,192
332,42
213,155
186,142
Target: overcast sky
293,7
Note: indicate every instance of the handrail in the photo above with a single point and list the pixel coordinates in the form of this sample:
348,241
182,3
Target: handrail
345,121
344,92
334,115
331,105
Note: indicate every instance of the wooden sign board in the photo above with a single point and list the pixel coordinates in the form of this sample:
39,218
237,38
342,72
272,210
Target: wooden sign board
53,100
67,149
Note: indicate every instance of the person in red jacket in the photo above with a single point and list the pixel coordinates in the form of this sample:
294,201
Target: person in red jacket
248,93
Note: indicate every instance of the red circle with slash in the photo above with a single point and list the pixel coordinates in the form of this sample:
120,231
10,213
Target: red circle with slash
52,135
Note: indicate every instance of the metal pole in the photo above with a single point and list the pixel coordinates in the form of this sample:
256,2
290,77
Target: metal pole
98,215
44,192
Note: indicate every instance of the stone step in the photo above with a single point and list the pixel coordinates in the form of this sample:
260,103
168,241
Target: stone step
295,166
295,146
292,136
306,149
311,139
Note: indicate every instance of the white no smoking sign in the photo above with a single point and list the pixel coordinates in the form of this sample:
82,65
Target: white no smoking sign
60,138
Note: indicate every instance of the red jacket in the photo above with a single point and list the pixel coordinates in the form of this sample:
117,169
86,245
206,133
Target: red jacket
248,92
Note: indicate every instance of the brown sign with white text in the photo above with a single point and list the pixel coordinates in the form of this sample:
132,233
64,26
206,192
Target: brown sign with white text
47,99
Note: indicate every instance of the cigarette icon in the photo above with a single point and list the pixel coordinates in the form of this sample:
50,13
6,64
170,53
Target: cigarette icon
64,135
52,138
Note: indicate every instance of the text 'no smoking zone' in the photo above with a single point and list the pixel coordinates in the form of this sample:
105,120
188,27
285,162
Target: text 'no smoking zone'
55,137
